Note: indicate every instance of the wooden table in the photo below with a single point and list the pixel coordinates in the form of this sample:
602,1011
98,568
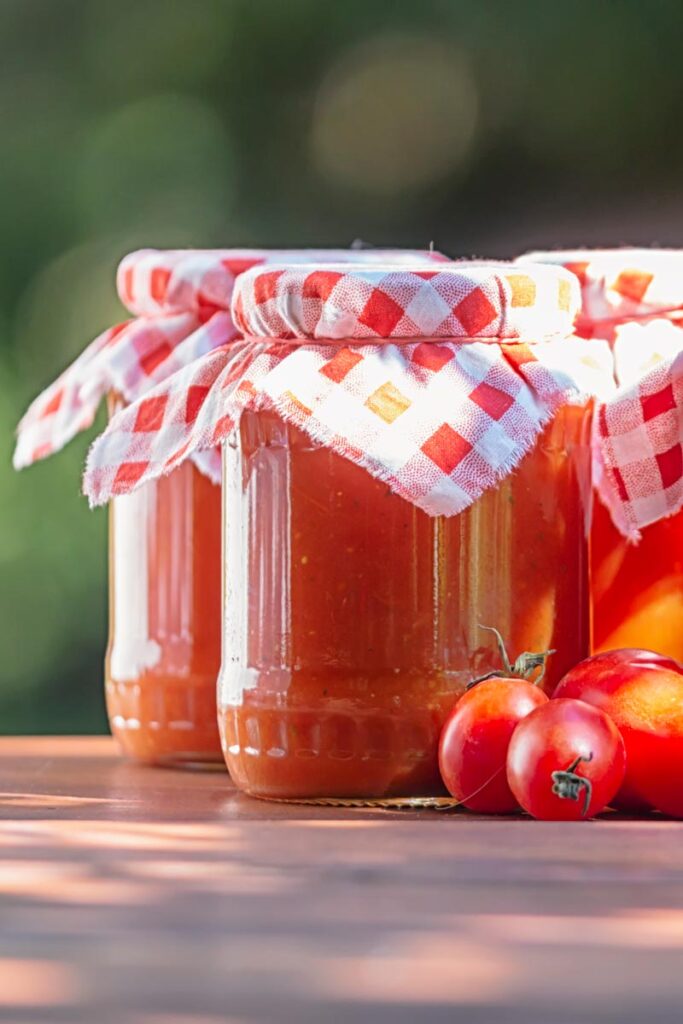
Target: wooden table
141,896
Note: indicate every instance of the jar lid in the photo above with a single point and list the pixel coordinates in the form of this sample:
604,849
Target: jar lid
455,300
621,283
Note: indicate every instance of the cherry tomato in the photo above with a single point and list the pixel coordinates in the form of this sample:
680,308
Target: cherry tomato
642,692
474,742
566,761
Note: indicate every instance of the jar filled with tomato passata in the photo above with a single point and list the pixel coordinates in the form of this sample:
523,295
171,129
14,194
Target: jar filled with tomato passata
634,299
164,619
163,655
405,459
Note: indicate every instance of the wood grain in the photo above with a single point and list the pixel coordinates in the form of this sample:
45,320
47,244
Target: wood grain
140,896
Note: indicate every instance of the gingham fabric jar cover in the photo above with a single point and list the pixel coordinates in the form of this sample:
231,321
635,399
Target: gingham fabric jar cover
181,301
621,284
633,298
435,380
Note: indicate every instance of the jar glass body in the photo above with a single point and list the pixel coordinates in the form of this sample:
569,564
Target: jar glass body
638,588
352,618
163,656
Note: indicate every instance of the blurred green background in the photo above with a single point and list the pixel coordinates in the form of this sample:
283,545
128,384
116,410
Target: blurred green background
485,126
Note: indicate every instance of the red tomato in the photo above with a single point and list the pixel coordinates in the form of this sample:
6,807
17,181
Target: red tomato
642,692
566,761
474,742
660,769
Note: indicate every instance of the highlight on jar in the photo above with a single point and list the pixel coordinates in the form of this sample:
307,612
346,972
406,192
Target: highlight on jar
163,655
633,298
406,457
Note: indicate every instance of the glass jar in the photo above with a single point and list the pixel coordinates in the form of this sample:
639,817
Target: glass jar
352,618
163,656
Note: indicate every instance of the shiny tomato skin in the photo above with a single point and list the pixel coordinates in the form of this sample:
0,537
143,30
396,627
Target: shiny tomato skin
549,740
660,769
474,742
640,691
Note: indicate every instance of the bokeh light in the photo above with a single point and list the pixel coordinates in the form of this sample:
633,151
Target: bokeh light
395,115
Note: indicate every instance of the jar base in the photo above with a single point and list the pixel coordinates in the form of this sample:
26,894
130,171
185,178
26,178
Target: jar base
138,750
167,722
317,754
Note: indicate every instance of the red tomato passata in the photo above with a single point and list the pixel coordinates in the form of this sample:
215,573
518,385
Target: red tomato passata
642,692
474,742
566,761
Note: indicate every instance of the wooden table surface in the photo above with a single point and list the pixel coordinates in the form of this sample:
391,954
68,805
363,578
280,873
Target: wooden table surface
141,896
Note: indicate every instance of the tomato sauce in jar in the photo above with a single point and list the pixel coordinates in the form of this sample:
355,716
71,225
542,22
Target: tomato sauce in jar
352,618
164,647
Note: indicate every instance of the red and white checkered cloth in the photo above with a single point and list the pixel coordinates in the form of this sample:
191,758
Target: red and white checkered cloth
181,300
435,380
633,298
621,284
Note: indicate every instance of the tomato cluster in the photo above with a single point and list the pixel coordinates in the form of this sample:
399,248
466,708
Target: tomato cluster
611,734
